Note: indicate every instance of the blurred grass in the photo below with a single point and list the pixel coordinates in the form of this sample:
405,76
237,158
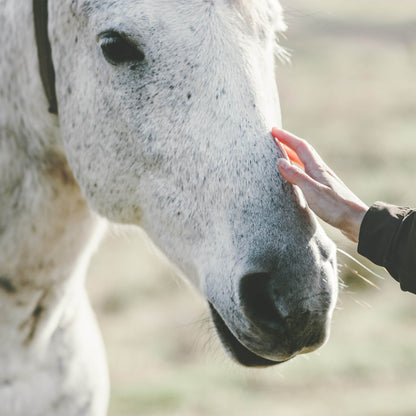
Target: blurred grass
350,90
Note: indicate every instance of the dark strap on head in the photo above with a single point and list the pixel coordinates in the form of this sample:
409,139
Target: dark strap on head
47,72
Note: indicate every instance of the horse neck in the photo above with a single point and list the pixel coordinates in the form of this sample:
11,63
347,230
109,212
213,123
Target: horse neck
45,224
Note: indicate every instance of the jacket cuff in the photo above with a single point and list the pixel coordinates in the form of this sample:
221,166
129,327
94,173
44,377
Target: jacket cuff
377,231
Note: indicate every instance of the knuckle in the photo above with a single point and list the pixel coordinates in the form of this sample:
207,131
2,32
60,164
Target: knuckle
297,172
303,144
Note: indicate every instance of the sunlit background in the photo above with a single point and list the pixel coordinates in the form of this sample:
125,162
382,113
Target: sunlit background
351,90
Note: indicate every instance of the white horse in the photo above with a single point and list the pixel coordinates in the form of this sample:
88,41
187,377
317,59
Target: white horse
164,108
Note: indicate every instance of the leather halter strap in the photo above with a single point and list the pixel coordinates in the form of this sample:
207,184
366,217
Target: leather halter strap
47,71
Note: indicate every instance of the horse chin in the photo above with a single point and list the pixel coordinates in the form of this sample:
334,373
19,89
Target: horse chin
235,348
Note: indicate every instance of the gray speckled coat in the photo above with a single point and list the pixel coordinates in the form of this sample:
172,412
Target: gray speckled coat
164,113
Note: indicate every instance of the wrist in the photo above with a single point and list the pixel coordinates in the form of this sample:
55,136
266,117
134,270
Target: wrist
355,218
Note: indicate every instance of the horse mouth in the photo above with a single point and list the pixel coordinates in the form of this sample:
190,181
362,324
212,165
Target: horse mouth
234,347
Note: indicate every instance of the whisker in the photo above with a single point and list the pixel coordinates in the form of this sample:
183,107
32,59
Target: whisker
362,303
365,279
354,272
359,263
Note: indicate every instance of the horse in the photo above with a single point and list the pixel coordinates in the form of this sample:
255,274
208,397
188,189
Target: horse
153,113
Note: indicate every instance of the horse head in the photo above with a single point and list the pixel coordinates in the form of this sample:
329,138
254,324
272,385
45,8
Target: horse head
164,109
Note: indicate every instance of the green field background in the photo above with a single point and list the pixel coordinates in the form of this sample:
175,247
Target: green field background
351,90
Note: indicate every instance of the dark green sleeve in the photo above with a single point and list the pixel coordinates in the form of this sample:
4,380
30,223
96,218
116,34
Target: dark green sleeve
388,239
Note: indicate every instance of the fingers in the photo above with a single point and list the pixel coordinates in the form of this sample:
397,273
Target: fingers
293,156
306,153
319,197
296,143
296,176
280,146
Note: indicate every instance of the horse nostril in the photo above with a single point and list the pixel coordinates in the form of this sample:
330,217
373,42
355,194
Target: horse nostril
291,321
257,301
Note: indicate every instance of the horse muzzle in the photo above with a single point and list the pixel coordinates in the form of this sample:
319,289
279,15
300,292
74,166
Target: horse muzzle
272,323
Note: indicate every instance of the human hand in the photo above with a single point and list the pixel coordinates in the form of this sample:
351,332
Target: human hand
325,193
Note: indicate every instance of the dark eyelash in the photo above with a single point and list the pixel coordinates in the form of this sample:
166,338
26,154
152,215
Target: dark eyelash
118,49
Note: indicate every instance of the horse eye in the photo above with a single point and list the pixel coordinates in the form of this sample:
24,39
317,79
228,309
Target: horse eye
117,49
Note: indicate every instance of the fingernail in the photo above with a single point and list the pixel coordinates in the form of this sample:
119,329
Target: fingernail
283,164
275,131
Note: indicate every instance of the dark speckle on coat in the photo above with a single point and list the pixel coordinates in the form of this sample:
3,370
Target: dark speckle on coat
7,285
